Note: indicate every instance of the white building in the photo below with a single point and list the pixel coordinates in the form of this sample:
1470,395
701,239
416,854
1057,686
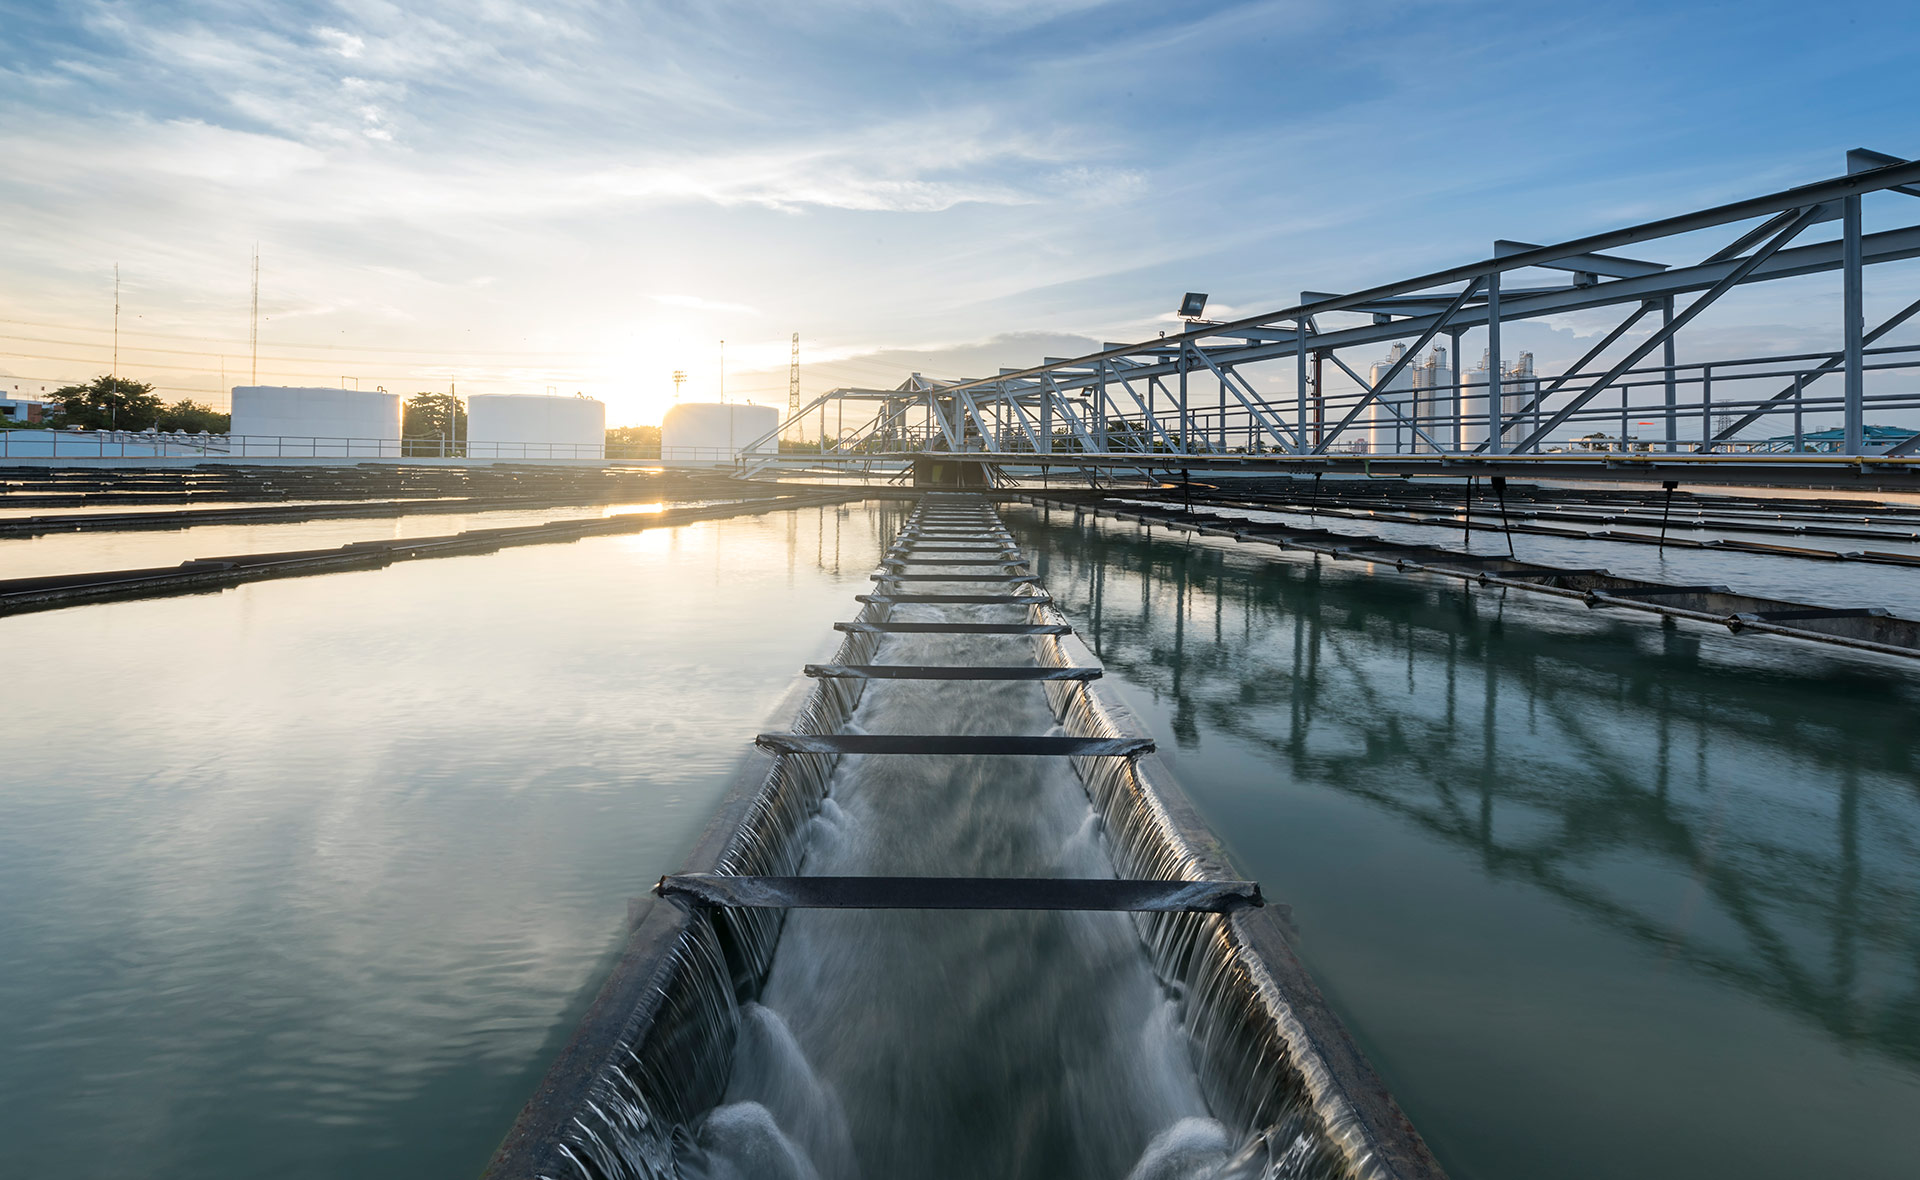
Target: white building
533,426
716,433
18,410
329,423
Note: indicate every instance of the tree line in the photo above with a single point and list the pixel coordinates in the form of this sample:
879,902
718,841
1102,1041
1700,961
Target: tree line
431,423
121,403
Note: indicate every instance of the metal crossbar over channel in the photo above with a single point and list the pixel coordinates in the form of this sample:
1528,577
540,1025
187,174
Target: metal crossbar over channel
955,628
650,1058
949,672
961,893
950,743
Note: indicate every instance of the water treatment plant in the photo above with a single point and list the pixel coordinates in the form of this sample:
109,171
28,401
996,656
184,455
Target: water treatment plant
1084,591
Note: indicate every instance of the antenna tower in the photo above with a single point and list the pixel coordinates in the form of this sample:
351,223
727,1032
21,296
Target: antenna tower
793,380
116,321
253,332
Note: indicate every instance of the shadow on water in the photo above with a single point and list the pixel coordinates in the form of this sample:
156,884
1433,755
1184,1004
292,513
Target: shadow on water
1578,753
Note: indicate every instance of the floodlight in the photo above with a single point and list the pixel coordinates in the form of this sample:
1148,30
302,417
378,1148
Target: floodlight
1193,305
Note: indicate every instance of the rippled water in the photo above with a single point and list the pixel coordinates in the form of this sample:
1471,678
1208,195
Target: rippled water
1600,897
312,877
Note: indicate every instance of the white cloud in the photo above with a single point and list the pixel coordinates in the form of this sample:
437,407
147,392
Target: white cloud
696,303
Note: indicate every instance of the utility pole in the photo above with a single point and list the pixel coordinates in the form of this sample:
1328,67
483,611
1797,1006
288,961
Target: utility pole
113,403
723,372
253,332
679,379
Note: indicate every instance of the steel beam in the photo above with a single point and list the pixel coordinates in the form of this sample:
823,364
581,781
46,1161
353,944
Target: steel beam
1667,330
1854,326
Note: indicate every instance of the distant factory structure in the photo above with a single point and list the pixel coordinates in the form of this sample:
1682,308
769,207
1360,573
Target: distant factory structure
713,432
328,423
15,409
1423,394
354,423
535,426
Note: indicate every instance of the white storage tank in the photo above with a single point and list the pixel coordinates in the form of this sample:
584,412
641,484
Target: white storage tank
1388,430
1517,387
330,423
535,426
1433,400
714,433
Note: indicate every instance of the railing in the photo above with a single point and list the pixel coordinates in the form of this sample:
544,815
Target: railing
126,444
1781,404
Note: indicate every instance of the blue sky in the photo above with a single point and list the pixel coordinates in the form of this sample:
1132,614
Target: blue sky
590,196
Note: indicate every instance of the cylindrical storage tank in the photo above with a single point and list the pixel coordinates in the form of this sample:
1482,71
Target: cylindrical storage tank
1433,407
1516,394
294,422
1388,430
1517,387
534,426
712,433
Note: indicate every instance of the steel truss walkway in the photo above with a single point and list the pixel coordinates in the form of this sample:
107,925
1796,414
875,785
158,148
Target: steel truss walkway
1286,390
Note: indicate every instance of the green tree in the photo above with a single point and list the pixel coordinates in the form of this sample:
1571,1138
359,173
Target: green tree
633,442
431,421
106,403
191,417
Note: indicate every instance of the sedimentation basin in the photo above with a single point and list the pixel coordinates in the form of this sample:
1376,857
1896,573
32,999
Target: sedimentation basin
304,883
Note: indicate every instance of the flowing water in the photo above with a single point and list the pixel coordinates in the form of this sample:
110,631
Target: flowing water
311,878
957,1044
1600,897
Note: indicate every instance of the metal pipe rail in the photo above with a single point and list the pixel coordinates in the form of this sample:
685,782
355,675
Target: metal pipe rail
1875,630
205,575
1495,522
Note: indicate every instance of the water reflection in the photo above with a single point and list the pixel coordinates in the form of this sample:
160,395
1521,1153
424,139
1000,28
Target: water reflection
1745,812
312,877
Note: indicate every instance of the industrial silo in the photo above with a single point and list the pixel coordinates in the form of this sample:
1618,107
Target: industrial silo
1517,387
708,432
533,426
1389,431
321,423
1433,400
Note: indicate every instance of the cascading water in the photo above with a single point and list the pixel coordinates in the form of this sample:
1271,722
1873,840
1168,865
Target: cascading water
838,1044
961,1044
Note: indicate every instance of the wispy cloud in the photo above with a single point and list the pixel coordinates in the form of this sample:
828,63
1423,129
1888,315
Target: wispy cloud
698,304
876,175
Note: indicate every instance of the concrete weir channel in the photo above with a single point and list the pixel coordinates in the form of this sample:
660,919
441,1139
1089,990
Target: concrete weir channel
659,1066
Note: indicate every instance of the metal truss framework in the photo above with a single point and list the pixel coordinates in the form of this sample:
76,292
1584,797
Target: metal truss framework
1141,404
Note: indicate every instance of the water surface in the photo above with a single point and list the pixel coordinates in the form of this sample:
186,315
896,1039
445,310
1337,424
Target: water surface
1601,897
311,878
